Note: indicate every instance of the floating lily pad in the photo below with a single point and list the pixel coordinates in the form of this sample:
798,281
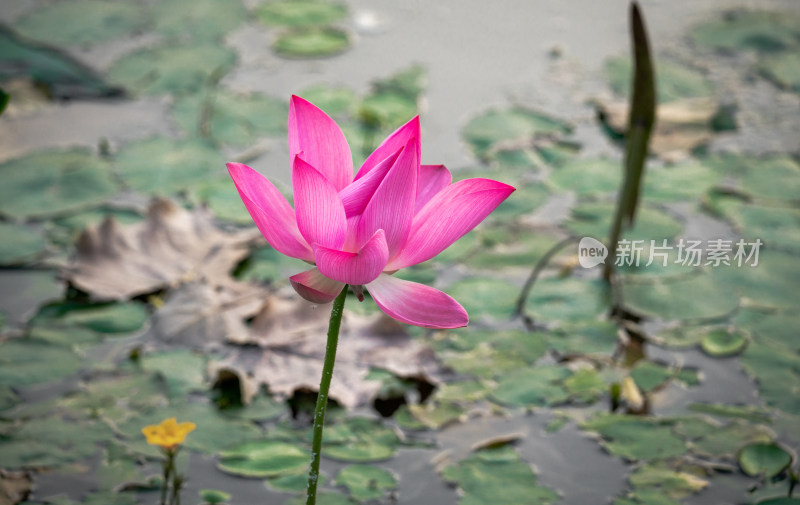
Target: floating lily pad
61,75
516,125
214,496
387,110
649,375
301,12
750,413
776,370
674,81
182,370
20,244
772,177
117,398
231,119
770,283
485,296
594,220
724,342
502,247
692,428
764,459
527,387
491,354
750,30
637,438
107,318
359,439
436,414
783,69
54,182
776,328
498,476
591,337
162,166
699,296
293,483
366,482
81,22
524,200
336,101
267,458
682,182
589,176
28,361
567,299
666,481
200,20
171,68
51,441
315,42
777,227
726,441
461,391
223,200
585,385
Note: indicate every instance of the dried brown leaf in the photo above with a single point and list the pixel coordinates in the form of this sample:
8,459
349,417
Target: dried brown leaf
171,246
681,125
291,335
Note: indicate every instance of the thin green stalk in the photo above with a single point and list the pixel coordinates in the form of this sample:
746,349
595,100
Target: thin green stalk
167,472
322,398
641,119
175,499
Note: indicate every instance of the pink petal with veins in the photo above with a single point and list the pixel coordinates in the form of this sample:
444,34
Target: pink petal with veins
432,179
417,304
354,268
448,216
392,144
271,212
320,214
315,287
391,208
356,195
321,141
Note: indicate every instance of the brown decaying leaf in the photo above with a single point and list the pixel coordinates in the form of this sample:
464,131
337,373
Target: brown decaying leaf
199,316
282,348
681,125
172,245
290,334
14,487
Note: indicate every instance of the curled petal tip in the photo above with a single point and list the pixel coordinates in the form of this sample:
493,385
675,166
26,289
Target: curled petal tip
315,287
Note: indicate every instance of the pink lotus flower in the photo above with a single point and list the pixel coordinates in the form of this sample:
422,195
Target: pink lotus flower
360,230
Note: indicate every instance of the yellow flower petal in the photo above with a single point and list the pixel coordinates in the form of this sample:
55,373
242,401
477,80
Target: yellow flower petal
168,433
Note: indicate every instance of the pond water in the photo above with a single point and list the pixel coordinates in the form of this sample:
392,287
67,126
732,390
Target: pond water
510,410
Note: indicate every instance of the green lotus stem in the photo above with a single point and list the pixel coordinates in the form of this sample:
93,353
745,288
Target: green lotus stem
167,472
322,398
165,481
177,482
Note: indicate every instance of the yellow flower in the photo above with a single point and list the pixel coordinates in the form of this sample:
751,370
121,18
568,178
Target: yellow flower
168,434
